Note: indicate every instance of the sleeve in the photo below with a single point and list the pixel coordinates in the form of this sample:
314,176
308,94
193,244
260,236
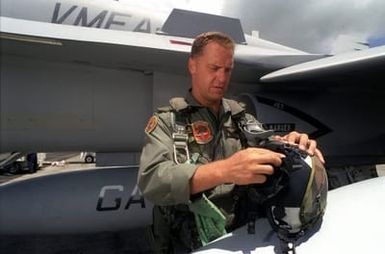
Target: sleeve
161,180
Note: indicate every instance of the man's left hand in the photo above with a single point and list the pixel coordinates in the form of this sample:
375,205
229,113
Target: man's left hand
303,142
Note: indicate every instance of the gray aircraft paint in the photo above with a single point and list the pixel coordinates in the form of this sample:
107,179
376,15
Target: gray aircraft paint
70,202
97,14
103,19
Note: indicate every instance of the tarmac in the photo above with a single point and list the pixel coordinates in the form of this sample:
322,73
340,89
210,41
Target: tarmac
53,162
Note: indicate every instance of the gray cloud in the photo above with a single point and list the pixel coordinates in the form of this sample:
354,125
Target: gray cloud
309,25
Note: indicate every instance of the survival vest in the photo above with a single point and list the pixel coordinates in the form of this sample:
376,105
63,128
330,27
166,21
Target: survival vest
293,198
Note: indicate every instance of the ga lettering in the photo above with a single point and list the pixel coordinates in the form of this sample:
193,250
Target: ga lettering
110,198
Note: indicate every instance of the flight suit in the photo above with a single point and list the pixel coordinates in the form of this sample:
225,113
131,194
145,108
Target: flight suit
166,183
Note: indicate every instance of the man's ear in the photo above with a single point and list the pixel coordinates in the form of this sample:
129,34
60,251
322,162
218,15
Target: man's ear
191,65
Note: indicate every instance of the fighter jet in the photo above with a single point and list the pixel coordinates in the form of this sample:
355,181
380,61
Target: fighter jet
87,75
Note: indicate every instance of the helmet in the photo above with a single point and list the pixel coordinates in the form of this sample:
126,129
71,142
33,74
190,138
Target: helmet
301,200
294,197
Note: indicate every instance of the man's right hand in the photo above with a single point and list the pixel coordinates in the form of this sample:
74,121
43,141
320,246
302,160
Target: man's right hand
251,165
248,166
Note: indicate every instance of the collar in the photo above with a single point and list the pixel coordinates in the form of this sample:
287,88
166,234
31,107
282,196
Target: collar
224,108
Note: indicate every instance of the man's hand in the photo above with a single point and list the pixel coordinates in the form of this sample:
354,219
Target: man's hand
251,165
248,166
303,142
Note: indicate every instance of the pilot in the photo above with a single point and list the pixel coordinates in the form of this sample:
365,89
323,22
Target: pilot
193,157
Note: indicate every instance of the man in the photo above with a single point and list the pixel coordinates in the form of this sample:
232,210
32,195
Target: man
193,152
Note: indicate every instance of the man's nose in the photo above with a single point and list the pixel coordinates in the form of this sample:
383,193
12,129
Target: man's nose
222,75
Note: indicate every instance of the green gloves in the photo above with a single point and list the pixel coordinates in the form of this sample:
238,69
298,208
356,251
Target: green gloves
209,219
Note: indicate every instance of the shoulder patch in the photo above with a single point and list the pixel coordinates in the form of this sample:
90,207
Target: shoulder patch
152,123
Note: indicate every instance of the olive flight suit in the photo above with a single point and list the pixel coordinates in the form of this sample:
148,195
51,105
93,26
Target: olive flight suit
166,183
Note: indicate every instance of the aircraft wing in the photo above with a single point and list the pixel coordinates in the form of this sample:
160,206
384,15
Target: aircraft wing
356,66
129,50
89,46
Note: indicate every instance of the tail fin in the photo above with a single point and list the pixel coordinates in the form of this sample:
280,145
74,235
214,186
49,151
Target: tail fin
345,43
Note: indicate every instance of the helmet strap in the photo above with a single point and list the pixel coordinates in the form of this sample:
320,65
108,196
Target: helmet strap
287,244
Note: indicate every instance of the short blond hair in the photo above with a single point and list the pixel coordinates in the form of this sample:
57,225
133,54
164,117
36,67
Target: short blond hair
203,39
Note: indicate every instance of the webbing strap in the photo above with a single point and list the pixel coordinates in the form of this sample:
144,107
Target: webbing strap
180,138
287,244
287,247
180,146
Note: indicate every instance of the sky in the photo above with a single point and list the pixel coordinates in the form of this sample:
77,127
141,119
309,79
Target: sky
310,25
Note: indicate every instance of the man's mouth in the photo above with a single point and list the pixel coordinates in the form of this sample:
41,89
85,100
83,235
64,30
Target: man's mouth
218,87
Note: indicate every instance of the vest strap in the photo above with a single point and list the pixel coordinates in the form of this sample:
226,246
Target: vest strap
180,138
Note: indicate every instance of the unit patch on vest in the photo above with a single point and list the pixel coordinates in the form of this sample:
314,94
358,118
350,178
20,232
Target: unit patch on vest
152,123
201,132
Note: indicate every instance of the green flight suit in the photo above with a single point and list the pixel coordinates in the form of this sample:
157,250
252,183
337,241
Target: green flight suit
167,184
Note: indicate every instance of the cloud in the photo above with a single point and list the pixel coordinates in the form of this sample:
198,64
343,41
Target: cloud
313,26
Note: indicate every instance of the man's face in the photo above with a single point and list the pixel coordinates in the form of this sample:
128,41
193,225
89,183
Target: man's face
210,73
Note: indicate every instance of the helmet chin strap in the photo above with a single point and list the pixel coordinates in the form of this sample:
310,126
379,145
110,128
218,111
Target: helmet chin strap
287,247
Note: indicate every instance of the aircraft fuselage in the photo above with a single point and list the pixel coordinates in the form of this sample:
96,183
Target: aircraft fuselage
116,15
